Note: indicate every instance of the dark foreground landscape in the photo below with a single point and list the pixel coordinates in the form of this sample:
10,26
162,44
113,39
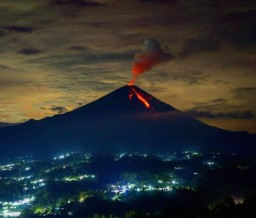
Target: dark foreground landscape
76,184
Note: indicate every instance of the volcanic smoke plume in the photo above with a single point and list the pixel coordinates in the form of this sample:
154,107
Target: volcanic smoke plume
152,54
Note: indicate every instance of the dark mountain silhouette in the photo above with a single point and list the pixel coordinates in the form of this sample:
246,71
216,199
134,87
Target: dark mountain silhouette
122,121
2,124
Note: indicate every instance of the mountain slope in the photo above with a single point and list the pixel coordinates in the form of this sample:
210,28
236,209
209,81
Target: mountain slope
128,119
7,124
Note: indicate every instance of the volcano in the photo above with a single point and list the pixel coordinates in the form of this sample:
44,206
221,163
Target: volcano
125,120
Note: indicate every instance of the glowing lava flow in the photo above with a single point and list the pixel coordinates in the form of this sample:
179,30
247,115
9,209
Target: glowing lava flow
141,98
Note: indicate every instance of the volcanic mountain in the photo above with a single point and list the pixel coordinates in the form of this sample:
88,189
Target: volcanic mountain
126,120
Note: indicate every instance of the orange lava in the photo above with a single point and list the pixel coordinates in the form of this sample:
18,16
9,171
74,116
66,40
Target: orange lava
130,96
134,77
141,98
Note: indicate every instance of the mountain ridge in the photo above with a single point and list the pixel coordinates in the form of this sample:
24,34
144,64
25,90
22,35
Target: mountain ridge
125,120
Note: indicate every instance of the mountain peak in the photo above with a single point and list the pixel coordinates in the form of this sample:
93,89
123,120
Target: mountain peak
128,99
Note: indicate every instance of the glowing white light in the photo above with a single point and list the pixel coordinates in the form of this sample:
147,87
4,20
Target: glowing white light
11,214
121,155
210,163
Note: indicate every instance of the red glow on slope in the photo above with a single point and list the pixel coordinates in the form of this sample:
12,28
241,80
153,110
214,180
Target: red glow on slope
130,96
141,98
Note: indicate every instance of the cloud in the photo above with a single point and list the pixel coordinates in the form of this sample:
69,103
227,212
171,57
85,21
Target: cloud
219,108
12,82
208,114
78,3
22,29
244,92
11,77
1,33
238,27
245,95
4,67
59,109
56,109
189,77
158,1
66,61
78,48
219,101
29,51
198,45
151,55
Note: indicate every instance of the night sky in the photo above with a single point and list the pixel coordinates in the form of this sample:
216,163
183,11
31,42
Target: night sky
57,55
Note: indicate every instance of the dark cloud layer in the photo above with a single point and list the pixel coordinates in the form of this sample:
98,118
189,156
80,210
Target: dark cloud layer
64,61
56,109
219,108
238,27
22,29
158,1
59,109
77,3
245,95
244,92
189,77
29,51
197,46
219,101
208,114
78,48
